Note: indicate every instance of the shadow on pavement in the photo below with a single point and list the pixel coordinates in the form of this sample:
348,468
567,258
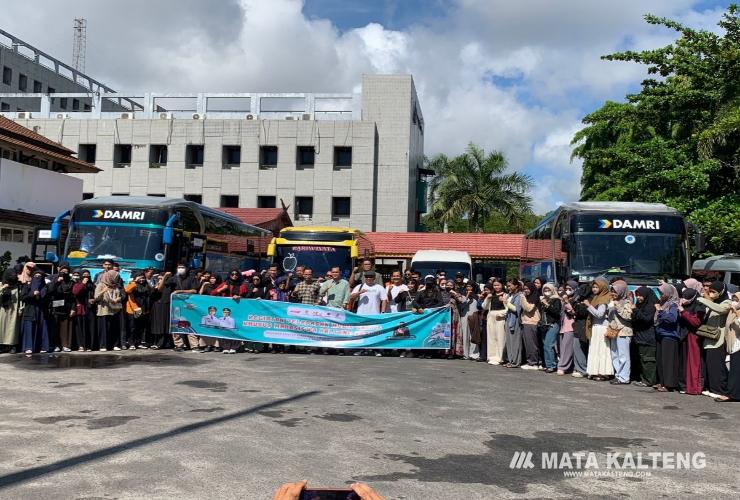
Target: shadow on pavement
36,472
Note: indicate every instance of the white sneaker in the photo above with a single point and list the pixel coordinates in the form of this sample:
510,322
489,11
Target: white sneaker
529,367
232,351
402,355
576,375
116,348
358,353
103,349
378,354
66,349
225,351
706,393
56,349
29,351
132,348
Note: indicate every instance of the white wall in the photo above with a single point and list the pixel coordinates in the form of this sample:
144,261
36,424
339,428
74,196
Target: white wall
34,190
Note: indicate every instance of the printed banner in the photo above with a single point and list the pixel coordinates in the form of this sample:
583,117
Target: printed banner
306,325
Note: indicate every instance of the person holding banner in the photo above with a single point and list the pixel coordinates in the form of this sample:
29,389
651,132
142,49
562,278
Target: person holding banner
371,298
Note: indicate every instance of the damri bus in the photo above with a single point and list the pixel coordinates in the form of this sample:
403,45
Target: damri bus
643,242
147,231
320,248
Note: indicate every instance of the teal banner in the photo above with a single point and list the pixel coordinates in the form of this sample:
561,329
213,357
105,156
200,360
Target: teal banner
306,325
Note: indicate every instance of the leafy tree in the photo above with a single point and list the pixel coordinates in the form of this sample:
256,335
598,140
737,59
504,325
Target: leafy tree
677,141
473,188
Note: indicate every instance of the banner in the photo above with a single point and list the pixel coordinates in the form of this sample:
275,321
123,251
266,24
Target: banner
306,325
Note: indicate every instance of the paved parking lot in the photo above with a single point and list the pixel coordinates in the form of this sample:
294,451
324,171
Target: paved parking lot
165,425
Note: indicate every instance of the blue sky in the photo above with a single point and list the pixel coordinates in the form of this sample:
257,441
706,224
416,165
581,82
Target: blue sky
516,76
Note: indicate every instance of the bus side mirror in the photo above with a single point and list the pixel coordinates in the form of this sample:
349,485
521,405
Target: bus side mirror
168,235
699,243
355,252
271,250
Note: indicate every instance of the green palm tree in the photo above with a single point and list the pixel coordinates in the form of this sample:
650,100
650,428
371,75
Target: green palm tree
474,186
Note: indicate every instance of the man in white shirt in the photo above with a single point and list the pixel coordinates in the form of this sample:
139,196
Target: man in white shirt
370,296
395,292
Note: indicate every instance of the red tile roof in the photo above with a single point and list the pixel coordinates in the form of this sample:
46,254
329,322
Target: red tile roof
9,126
273,219
478,245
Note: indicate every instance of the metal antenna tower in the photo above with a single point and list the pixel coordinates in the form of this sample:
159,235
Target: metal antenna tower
80,44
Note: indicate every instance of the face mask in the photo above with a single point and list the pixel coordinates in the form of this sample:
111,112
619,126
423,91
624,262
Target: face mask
570,292
547,293
75,277
181,271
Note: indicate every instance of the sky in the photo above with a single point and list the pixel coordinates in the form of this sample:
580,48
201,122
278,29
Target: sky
515,76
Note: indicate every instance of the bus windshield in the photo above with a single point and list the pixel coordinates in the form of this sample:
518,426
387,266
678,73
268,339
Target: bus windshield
450,268
638,253
126,242
319,258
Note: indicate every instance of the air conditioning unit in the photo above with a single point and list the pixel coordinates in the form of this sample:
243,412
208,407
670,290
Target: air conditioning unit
127,116
306,116
165,116
304,217
198,116
24,115
62,116
290,118
250,117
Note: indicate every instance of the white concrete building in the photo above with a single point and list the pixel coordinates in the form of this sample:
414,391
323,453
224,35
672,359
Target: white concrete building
335,159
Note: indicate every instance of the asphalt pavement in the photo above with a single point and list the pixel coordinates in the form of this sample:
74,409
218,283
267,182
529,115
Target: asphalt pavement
186,425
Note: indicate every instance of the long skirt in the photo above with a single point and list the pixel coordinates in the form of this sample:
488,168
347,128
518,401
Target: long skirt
666,359
470,350
716,370
456,340
35,335
646,355
514,344
496,336
565,363
733,382
693,373
599,353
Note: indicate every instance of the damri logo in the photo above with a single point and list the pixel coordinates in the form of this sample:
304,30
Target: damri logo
119,214
629,224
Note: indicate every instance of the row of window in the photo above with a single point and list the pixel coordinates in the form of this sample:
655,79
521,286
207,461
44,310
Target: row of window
15,235
231,156
303,205
38,88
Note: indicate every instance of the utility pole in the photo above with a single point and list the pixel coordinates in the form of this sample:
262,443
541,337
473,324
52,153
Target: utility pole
79,45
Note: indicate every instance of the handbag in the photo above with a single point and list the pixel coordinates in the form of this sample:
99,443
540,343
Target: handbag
611,333
708,332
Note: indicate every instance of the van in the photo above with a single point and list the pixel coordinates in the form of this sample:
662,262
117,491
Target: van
725,268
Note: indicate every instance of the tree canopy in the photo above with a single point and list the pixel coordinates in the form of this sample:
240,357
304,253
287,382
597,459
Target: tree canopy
473,191
677,141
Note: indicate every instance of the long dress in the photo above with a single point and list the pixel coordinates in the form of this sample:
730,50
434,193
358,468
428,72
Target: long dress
599,351
495,332
514,330
9,318
468,309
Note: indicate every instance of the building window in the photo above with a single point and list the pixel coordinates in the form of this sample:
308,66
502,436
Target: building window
231,156
194,155
266,202
119,194
196,198
22,82
342,157
304,207
6,234
268,156
87,107
63,102
4,106
7,75
38,87
121,155
87,196
305,157
30,235
340,207
87,152
75,104
51,90
156,195
157,155
229,201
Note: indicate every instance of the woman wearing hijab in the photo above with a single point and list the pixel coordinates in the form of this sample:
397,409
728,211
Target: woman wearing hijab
26,275
494,303
732,341
580,332
83,292
667,336
109,299
530,319
34,326
513,324
470,323
10,304
550,311
599,365
620,319
718,304
691,315
138,307
566,335
643,328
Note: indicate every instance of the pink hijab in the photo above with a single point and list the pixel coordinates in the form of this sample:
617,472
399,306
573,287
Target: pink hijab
694,284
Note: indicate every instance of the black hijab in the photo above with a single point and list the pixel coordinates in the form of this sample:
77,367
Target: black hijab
650,299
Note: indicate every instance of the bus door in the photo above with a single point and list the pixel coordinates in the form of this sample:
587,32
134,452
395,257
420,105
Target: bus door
186,247
44,247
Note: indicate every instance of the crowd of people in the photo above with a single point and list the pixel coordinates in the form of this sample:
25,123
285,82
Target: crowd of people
683,339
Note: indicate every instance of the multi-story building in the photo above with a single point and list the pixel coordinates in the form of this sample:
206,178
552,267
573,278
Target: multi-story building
334,159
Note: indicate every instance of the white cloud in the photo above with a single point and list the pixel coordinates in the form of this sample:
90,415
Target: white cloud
512,76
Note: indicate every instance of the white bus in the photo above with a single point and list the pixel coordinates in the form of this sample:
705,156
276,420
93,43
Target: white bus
449,261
